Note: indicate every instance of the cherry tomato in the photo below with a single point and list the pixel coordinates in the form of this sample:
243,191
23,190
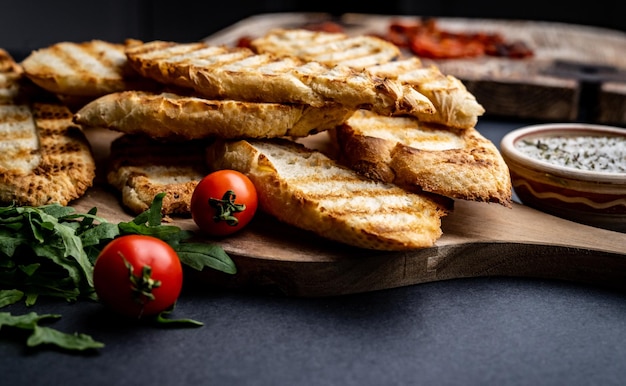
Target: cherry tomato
223,202
138,275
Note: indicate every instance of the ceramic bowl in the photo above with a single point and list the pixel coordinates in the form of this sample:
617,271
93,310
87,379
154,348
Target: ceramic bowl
574,191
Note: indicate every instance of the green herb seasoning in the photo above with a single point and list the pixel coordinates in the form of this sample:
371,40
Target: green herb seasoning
605,154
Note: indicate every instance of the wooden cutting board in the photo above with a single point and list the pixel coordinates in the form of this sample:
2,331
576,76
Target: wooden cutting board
478,239
578,73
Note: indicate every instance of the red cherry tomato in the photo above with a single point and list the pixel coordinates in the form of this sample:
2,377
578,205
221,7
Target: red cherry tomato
138,275
223,202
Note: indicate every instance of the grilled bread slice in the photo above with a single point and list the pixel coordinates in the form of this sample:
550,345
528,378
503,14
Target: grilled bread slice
454,105
45,158
456,163
169,115
140,168
358,51
219,72
306,189
10,78
86,69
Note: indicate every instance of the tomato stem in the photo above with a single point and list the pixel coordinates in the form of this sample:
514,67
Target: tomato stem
226,207
142,285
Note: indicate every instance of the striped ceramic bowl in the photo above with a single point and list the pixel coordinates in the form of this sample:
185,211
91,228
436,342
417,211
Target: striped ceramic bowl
572,170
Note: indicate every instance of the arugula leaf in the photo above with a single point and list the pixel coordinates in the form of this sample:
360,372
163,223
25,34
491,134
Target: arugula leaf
51,250
45,335
198,256
162,320
195,255
8,297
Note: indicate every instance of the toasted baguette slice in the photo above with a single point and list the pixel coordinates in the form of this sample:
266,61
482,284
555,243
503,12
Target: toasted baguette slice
306,189
7,63
454,105
10,77
326,47
87,69
217,72
168,115
44,158
456,163
140,168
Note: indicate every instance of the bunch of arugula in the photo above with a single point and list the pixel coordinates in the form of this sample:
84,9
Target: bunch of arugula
51,250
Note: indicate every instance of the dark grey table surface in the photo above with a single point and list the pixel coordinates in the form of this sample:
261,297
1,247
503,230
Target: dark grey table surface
483,331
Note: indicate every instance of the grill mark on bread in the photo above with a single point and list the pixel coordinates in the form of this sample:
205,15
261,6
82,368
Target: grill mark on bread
10,78
83,60
456,163
306,189
264,77
86,69
453,104
19,143
58,169
327,48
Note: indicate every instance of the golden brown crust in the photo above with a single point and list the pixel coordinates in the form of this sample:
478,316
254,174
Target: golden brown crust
140,168
328,48
454,106
306,189
66,168
87,69
168,115
456,163
11,75
218,72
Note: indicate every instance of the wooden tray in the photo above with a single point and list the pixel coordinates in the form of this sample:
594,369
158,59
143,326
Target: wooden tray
479,240
578,73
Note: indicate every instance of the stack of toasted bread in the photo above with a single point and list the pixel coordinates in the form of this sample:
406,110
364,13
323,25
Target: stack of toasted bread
402,135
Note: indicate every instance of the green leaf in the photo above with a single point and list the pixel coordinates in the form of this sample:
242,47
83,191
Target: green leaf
27,321
31,298
95,235
10,241
163,232
155,216
56,210
47,335
29,269
200,255
8,297
162,320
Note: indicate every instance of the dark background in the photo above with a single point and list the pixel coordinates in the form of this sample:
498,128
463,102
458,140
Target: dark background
30,24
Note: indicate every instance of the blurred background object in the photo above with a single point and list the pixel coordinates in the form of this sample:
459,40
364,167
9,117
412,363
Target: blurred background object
31,24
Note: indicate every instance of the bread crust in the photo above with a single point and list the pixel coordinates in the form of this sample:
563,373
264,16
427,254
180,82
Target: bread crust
177,117
217,72
140,168
327,48
64,167
308,190
86,69
457,163
11,79
454,105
